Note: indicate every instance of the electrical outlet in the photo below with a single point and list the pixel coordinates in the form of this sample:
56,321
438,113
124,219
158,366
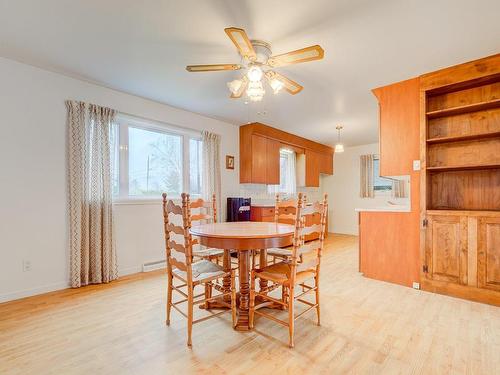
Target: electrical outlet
416,285
416,165
26,265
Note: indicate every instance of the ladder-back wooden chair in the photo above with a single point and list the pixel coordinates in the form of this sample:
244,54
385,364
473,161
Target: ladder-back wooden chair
180,266
304,264
284,213
204,212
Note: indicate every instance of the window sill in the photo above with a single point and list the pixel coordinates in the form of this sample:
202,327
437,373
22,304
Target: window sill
139,201
148,200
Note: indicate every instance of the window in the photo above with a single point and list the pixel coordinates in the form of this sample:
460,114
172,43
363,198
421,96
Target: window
150,158
380,183
195,166
287,174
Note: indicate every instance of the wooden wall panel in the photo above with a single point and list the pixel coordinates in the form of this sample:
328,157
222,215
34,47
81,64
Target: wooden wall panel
399,126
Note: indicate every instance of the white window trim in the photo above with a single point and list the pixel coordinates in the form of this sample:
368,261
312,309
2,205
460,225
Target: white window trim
123,121
272,190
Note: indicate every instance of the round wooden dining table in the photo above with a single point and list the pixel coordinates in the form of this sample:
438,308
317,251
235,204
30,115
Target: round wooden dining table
243,237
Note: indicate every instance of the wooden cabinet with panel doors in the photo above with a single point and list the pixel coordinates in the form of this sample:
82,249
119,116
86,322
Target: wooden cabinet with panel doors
460,200
488,253
265,161
446,248
260,155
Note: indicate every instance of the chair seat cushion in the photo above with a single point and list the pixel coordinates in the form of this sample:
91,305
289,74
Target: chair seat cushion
201,270
281,273
280,252
208,252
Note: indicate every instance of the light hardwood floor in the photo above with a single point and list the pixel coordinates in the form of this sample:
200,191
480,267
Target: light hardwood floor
368,327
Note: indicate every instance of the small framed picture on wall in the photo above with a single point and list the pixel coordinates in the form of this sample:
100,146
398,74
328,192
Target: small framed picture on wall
229,162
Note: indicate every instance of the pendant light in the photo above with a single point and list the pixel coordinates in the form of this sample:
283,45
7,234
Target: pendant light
339,147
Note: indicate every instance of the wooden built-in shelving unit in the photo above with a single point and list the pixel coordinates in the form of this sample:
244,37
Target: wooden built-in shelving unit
460,200
463,146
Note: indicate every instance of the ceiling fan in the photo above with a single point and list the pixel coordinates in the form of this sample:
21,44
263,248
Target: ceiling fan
258,62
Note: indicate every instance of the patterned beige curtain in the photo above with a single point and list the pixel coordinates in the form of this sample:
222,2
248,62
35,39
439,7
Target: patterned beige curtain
366,174
211,178
92,252
399,189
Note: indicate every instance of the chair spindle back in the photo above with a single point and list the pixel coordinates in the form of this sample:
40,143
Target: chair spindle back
178,240
308,255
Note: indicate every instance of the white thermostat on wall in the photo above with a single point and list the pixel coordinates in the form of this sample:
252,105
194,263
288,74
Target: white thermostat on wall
416,165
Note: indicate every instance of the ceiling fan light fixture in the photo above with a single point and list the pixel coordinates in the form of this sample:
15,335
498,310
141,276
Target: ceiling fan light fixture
234,86
276,85
254,74
255,91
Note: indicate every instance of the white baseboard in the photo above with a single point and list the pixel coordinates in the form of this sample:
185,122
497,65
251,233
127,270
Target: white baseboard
18,294
33,292
129,270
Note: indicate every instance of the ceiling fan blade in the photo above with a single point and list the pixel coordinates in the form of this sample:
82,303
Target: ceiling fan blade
242,88
212,68
291,86
240,39
295,57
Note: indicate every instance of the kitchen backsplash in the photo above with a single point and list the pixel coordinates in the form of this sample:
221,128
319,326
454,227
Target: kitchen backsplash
259,193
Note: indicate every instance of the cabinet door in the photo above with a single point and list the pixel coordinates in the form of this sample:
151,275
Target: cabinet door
312,168
273,162
399,126
488,253
446,248
259,159
326,163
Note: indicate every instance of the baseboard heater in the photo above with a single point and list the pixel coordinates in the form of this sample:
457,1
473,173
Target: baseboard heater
153,266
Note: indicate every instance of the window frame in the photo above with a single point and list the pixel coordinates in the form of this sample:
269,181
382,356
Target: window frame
274,189
123,122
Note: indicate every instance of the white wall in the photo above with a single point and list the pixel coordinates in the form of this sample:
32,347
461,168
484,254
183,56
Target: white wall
33,186
343,190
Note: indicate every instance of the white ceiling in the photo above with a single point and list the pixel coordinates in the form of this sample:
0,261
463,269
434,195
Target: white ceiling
142,47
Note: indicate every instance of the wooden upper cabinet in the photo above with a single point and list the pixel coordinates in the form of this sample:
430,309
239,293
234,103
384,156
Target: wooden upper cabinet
273,162
259,159
326,163
260,155
488,253
399,126
312,168
446,248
